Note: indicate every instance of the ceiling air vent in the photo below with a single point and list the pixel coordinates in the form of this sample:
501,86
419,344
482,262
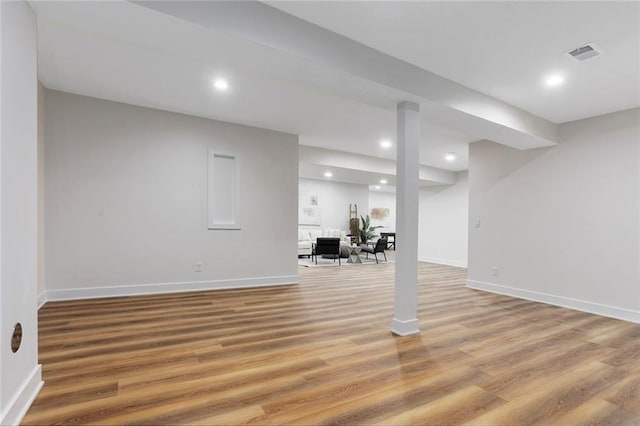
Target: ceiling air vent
585,52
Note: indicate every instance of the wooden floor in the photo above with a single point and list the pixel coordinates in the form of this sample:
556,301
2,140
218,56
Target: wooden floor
321,352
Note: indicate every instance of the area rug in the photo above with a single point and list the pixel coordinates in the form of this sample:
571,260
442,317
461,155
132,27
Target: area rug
307,262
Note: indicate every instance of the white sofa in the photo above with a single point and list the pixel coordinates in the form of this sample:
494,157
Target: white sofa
308,236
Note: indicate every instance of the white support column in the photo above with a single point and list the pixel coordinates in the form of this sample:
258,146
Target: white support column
405,320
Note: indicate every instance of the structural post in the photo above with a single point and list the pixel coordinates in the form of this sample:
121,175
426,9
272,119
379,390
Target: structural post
405,320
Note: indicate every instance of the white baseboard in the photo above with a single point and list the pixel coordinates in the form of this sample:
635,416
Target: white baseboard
565,302
142,289
21,402
441,261
42,299
405,328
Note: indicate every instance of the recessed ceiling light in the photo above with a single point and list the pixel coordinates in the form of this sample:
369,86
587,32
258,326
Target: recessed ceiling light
386,143
554,80
377,187
221,84
450,156
383,181
328,174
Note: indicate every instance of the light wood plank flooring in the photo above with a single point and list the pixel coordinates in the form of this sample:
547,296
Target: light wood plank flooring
321,353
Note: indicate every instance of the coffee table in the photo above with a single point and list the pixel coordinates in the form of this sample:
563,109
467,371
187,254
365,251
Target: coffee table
354,254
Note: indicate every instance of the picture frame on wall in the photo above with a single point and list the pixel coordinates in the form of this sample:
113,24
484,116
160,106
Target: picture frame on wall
309,215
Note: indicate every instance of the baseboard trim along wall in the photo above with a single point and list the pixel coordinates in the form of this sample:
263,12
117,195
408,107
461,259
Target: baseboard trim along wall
565,302
143,289
42,299
23,399
440,261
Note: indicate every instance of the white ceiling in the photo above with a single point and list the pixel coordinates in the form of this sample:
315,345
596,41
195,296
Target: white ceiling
123,52
503,49
129,53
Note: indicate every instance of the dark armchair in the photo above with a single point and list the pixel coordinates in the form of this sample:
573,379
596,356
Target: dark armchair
390,242
380,247
328,246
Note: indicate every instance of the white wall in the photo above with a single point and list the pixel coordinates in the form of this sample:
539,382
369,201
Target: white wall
20,375
384,200
126,201
444,219
41,262
561,223
333,200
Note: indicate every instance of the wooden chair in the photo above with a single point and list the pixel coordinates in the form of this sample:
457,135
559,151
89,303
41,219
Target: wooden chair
380,247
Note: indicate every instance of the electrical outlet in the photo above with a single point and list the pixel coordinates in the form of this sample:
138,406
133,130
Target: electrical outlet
477,223
495,271
198,267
